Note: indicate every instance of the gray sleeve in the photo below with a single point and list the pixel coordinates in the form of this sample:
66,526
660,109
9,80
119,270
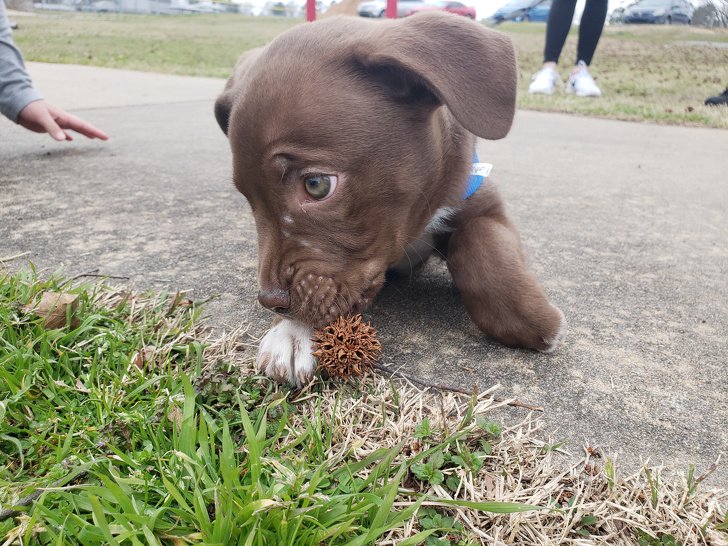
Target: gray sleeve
16,88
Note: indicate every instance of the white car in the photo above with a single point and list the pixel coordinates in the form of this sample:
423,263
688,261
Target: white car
378,8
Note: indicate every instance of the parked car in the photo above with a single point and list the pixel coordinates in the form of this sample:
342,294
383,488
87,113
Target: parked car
515,10
663,12
450,6
378,8
539,13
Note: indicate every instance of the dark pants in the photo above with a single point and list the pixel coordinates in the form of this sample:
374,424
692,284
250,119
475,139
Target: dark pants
590,29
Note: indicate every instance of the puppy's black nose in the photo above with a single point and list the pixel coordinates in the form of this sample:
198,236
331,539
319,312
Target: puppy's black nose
275,299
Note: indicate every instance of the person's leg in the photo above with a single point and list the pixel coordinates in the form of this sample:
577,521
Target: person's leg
590,29
557,28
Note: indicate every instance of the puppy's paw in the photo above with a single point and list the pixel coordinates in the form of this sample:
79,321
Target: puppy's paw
553,342
285,353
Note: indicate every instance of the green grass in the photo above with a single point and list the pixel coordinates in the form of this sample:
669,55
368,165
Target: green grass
136,432
204,45
647,73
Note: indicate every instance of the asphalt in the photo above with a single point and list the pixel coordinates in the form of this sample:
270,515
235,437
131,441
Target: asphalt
626,225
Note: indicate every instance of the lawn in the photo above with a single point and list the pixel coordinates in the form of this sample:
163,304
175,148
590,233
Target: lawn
651,73
126,423
205,45
658,74
130,428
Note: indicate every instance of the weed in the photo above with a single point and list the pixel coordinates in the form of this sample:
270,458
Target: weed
662,539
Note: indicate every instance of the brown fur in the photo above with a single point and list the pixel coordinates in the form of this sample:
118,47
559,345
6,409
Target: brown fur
391,108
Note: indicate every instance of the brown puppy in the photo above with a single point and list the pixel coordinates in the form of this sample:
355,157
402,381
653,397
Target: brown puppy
353,141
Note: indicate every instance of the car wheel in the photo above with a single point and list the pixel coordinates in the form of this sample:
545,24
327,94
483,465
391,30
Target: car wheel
383,14
469,16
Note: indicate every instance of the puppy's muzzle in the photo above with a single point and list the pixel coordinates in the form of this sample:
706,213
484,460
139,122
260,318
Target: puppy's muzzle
275,299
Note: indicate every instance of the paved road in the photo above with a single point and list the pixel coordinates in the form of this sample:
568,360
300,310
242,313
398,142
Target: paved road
626,224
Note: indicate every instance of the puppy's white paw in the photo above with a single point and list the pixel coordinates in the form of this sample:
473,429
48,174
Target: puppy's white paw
560,335
285,353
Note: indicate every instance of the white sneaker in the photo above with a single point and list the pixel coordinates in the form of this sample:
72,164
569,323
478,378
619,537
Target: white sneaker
581,82
544,81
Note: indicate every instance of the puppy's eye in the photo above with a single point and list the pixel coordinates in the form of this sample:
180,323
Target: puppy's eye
319,186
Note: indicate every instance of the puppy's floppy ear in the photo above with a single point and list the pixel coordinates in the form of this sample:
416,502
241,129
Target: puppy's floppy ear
468,67
223,105
234,87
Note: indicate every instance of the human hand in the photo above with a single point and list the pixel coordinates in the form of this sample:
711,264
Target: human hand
41,116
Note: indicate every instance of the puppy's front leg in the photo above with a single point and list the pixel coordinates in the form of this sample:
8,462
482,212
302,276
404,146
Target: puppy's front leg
501,295
285,352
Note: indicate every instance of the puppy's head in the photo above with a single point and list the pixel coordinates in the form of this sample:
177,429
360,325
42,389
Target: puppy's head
342,143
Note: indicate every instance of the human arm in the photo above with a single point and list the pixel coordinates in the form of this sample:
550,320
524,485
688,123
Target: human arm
22,103
16,88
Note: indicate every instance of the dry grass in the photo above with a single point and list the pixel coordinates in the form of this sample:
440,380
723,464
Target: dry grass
648,73
585,503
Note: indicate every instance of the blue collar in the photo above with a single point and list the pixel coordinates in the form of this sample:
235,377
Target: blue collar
475,180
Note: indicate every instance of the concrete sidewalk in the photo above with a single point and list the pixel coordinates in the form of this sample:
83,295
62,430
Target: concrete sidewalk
626,225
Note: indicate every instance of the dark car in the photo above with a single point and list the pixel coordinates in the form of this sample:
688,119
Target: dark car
450,6
515,10
660,12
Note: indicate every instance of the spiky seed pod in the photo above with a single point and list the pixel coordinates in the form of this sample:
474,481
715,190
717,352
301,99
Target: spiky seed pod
346,348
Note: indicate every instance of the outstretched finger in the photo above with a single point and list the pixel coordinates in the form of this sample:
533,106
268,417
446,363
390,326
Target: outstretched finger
74,123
